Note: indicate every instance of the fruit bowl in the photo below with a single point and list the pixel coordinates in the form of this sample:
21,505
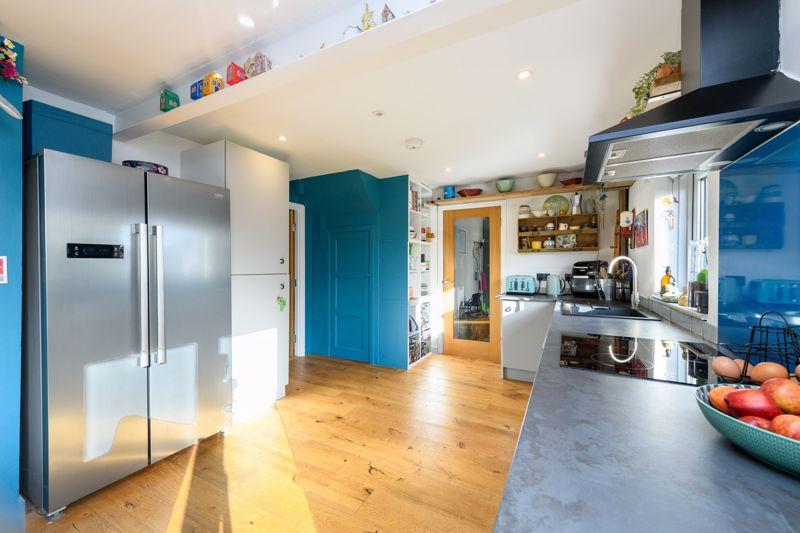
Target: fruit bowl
776,450
469,192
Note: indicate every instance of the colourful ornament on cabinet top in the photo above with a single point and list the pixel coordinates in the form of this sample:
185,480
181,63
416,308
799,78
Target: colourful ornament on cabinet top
235,74
197,90
258,64
212,83
387,14
367,19
169,101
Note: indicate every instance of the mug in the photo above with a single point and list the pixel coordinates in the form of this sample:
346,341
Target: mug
536,245
563,226
550,226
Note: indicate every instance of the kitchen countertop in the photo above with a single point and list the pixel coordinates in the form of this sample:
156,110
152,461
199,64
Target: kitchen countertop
525,297
600,452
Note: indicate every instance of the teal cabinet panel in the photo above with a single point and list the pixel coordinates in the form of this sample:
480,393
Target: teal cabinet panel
46,126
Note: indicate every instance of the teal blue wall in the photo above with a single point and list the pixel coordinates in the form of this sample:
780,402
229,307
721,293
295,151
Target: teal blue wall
349,199
57,129
12,509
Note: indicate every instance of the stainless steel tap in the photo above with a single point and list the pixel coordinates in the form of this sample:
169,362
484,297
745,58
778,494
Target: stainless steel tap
635,283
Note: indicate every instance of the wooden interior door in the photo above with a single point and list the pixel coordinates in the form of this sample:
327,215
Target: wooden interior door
471,283
292,282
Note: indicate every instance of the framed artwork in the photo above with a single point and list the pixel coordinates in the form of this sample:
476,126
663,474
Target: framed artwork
461,241
640,229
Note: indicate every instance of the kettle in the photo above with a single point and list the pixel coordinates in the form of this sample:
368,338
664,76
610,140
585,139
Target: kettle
555,285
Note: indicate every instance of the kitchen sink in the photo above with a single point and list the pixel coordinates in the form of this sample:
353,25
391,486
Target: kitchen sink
600,310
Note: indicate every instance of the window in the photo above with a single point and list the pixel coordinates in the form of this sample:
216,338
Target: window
698,240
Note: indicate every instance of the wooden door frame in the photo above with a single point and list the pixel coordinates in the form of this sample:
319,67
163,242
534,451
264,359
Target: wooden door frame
479,350
299,310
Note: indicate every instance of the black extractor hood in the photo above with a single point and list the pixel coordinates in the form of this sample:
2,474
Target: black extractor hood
734,98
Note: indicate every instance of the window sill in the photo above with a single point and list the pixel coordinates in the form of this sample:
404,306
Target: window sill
691,311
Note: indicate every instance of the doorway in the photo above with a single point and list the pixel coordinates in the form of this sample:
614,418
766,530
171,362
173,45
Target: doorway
292,282
471,283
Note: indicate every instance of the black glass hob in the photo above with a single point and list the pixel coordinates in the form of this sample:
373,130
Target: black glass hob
688,363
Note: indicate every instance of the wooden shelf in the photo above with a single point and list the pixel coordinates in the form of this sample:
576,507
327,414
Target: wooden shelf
553,250
610,186
583,231
548,218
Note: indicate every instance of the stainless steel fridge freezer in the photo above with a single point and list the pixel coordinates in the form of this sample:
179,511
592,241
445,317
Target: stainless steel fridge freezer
127,322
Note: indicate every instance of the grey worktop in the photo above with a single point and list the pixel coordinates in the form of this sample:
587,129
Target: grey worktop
600,452
525,297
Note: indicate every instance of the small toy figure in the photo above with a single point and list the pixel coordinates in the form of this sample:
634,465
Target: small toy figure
257,64
367,19
197,90
169,101
212,83
235,74
387,14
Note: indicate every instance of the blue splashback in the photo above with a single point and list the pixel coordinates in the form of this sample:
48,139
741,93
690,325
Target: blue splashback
12,509
759,236
349,200
57,129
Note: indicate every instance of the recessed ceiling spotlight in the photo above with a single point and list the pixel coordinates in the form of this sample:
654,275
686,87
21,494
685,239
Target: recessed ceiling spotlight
773,126
540,155
276,3
414,143
448,169
378,113
282,138
246,21
524,75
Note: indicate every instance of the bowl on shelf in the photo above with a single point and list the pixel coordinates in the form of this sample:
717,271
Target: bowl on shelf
546,179
538,213
776,450
572,181
504,184
469,192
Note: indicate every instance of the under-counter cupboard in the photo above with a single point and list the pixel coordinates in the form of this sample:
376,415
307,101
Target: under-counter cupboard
259,196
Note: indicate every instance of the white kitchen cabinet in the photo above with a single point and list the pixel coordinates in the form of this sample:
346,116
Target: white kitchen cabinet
259,186
260,344
523,331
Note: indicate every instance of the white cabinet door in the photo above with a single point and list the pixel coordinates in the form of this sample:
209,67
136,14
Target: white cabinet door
260,345
205,164
259,187
523,331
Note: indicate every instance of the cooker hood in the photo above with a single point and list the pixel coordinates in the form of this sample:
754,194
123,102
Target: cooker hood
735,98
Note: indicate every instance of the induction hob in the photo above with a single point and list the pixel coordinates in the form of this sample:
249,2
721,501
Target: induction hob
653,359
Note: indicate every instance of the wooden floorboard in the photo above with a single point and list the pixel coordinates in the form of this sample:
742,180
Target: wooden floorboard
351,447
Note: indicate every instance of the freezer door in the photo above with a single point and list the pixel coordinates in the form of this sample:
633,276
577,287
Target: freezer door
93,269
190,312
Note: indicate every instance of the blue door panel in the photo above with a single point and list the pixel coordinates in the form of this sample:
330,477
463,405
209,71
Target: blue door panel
350,293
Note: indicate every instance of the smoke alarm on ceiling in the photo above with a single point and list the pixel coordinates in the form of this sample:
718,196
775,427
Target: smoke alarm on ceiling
414,143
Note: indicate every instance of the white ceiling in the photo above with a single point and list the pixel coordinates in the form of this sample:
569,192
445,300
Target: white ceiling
111,54
464,99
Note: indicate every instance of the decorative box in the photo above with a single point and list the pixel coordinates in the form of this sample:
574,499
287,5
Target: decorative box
235,74
169,100
197,90
147,166
212,83
257,64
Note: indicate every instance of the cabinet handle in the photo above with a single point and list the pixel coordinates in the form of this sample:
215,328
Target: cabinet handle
283,260
508,309
282,286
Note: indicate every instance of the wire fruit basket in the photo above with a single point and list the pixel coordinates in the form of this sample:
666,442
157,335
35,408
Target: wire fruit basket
768,344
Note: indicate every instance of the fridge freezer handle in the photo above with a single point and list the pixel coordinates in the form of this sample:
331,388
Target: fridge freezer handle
161,349
140,230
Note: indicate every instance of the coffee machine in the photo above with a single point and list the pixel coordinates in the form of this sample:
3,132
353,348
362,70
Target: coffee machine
585,276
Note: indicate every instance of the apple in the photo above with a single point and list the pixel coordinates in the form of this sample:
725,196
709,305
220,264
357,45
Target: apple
757,421
785,392
717,398
787,425
752,402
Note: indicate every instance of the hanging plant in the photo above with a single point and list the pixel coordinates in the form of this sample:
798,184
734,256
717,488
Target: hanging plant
670,61
8,62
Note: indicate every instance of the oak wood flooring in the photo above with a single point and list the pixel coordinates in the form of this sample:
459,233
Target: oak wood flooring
350,448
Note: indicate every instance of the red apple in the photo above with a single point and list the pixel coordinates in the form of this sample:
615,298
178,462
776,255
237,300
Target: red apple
757,421
787,425
785,392
752,402
717,398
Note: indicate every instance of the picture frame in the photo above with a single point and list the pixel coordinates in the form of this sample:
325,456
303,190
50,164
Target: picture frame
461,241
640,229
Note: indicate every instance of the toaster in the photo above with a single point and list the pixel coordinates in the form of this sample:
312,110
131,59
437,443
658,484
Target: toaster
520,285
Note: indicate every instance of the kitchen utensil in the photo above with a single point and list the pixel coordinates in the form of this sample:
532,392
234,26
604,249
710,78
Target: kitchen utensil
523,228
606,288
474,191
576,204
776,450
538,213
563,226
550,226
555,285
504,184
520,285
557,203
536,245
549,243
572,181
546,179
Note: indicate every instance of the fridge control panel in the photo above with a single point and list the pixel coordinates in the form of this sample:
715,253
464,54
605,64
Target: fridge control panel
95,251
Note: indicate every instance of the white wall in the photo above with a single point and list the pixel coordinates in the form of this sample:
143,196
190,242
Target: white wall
30,92
157,147
643,195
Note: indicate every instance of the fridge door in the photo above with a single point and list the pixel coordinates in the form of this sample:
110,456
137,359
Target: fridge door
94,279
190,312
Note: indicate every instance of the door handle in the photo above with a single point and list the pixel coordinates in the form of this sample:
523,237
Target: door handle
161,350
140,230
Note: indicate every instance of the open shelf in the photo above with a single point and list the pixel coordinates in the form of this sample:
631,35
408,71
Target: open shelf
610,186
553,250
530,230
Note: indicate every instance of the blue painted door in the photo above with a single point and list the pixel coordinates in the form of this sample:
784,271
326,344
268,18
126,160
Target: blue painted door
350,296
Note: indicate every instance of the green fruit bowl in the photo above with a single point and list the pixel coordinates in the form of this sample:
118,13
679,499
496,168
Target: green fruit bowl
776,450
